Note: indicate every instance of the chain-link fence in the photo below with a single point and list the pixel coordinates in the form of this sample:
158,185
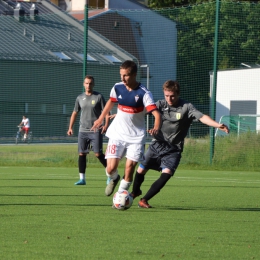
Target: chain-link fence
167,44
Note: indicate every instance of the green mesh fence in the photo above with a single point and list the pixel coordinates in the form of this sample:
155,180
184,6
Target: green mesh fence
167,44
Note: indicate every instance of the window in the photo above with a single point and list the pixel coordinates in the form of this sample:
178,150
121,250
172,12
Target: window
112,58
89,57
62,56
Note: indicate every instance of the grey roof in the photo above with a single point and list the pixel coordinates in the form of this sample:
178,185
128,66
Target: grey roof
36,40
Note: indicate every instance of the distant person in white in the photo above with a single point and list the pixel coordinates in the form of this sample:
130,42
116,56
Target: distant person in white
25,126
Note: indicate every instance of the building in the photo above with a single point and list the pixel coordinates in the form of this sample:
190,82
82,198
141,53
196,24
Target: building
41,66
142,32
238,98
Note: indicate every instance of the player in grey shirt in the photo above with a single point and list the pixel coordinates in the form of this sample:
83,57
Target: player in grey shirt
90,104
164,153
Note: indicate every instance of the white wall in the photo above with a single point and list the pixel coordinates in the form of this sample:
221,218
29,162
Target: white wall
77,5
237,85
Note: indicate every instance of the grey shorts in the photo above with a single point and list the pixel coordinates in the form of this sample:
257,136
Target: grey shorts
161,155
90,141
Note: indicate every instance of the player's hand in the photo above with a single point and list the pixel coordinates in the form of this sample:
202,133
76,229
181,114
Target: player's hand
104,129
112,116
97,125
70,132
153,131
224,128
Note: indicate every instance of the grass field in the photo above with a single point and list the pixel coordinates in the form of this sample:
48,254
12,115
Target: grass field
198,215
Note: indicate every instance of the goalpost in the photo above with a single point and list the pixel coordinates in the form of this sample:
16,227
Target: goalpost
240,124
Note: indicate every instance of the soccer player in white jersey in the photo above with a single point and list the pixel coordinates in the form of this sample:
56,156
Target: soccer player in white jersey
127,132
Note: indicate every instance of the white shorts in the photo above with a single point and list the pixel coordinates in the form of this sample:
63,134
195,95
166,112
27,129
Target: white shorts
118,149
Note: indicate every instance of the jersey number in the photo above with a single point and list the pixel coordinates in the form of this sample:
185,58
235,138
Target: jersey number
111,149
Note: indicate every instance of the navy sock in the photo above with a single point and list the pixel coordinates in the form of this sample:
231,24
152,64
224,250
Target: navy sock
102,159
82,163
138,180
157,186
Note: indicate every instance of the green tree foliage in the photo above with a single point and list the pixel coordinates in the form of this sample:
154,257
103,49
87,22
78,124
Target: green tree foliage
173,3
239,42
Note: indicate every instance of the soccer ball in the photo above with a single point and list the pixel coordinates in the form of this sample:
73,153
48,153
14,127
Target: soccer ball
122,200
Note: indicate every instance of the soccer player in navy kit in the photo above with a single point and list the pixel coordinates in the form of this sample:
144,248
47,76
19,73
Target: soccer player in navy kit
127,132
90,104
164,153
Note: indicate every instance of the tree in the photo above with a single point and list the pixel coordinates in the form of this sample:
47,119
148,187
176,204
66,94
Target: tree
175,3
238,42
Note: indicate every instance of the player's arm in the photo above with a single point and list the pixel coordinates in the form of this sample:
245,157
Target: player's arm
98,123
157,123
205,119
72,121
104,128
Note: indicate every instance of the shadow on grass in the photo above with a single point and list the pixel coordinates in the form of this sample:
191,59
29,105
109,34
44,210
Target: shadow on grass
211,209
31,179
61,205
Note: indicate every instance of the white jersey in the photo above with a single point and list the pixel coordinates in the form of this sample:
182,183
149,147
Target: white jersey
129,123
26,122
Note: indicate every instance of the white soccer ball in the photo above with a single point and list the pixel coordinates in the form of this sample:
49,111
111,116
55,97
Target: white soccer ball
122,200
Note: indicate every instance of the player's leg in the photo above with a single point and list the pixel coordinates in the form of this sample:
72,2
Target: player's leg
97,146
83,150
82,164
154,189
112,175
26,130
134,154
151,161
138,180
114,152
23,132
169,163
128,175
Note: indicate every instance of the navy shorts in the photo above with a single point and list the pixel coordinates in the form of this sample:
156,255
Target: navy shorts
161,155
90,141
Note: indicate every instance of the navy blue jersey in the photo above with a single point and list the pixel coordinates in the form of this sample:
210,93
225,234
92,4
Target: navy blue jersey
129,123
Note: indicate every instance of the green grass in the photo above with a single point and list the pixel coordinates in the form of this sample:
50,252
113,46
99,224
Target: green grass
230,153
198,215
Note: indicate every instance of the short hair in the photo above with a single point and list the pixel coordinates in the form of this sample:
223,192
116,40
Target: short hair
90,77
171,85
129,64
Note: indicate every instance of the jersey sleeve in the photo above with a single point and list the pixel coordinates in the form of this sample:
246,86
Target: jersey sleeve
102,101
77,107
194,113
113,96
149,102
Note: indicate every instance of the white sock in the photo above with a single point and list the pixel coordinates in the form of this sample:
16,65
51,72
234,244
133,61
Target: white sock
113,175
124,185
82,176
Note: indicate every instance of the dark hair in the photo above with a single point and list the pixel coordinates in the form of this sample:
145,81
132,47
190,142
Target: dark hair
171,85
129,64
90,77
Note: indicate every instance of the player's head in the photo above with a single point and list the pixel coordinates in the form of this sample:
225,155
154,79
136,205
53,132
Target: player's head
89,77
171,90
128,72
130,66
24,117
88,83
